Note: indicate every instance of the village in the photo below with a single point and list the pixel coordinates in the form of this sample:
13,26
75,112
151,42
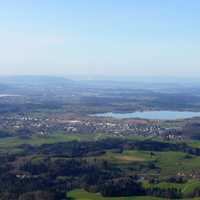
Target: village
22,125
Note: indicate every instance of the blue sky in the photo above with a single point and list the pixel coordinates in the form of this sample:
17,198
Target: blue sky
100,37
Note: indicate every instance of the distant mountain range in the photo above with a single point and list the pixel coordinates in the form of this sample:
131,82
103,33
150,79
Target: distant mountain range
34,80
13,82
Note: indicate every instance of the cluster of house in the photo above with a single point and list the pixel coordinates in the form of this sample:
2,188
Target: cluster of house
46,125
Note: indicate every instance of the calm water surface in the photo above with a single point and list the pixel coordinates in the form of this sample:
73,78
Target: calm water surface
9,95
158,115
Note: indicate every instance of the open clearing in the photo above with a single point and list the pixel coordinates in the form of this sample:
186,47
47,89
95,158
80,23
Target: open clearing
83,195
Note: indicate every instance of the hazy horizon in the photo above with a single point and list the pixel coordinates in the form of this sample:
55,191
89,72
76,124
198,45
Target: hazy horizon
100,38
75,77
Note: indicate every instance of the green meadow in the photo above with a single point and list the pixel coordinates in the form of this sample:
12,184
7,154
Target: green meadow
83,195
80,194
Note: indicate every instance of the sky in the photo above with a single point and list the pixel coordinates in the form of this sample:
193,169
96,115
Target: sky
100,37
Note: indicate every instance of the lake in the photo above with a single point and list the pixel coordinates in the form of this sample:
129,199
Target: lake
153,115
9,95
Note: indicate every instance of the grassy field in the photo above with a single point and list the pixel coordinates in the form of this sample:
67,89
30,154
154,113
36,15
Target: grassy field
127,156
194,143
190,186
170,163
83,195
186,188
36,140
